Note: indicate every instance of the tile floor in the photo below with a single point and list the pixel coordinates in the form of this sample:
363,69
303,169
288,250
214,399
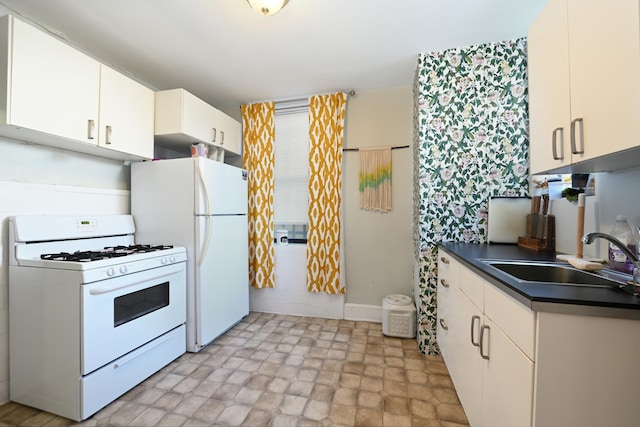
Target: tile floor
278,370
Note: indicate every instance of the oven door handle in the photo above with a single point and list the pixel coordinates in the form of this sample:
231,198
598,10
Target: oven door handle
107,289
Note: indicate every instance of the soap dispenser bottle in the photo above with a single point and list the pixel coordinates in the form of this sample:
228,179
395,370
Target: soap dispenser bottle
623,232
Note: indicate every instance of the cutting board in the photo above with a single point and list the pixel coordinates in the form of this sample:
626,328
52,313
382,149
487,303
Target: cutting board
507,218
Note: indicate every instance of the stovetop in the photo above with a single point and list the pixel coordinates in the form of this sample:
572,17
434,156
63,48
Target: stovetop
106,253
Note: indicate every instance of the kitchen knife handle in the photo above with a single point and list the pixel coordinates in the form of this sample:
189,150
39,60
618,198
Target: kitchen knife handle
545,204
554,144
574,149
473,322
535,208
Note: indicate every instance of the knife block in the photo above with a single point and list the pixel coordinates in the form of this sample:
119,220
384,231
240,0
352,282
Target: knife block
540,233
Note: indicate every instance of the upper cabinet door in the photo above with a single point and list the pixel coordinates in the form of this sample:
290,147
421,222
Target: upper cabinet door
604,41
126,114
584,86
549,90
53,88
228,133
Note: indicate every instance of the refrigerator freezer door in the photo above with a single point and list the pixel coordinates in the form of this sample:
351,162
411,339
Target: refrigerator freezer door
222,188
222,278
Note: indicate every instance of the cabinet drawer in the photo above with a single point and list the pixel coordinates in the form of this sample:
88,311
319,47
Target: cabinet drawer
514,319
472,286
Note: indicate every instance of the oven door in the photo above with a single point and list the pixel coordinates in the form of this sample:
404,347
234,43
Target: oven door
123,313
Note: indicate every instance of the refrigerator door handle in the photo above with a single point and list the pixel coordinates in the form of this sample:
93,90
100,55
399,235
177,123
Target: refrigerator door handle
207,236
207,219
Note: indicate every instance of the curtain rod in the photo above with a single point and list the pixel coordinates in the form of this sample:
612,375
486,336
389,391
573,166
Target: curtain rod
295,103
393,148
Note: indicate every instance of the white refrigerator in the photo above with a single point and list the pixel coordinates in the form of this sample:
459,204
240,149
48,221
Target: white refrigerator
200,204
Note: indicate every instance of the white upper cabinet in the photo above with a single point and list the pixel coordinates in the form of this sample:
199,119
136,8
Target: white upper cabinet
182,118
584,86
52,88
53,94
126,114
549,93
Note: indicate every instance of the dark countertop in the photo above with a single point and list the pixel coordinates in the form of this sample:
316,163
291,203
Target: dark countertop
598,301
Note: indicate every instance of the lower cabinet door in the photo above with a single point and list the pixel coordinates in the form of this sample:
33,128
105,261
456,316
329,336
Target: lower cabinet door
507,383
467,374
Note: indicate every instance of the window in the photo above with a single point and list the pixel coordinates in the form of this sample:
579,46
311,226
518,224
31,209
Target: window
291,172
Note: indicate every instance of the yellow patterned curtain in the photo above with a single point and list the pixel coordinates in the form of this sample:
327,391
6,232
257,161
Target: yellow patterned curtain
258,155
326,125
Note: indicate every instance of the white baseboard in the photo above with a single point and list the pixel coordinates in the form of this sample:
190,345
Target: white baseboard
363,312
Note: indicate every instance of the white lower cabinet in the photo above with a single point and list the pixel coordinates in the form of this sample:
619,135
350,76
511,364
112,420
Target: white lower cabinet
512,366
492,375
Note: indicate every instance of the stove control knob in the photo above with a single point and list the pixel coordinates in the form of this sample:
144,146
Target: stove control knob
110,271
164,260
123,269
172,258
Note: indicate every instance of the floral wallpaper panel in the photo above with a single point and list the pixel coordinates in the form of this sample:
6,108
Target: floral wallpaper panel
471,142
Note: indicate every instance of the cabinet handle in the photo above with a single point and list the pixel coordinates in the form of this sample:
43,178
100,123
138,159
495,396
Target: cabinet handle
107,139
444,260
473,321
214,134
554,145
444,283
221,137
574,149
482,329
91,126
443,325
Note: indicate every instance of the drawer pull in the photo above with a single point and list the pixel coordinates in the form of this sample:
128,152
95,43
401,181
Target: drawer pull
443,325
482,329
107,133
574,149
473,321
444,283
444,260
91,126
554,144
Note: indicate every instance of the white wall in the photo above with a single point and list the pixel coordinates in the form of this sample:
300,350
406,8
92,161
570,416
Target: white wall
617,193
290,295
42,180
379,246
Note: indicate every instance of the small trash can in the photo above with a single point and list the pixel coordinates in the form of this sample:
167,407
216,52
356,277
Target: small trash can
398,316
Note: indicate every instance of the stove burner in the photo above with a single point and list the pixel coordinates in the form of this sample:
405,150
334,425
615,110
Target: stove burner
108,252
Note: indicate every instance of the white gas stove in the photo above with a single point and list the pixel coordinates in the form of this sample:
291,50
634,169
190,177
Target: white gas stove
91,312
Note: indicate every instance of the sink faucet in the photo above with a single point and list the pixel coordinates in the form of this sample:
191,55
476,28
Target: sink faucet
590,237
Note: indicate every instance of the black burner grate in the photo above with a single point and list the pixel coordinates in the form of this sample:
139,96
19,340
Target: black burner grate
108,252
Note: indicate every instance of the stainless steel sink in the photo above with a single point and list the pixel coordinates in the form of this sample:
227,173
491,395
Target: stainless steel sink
553,273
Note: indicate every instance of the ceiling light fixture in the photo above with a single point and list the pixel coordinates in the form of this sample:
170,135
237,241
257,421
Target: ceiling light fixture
267,7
